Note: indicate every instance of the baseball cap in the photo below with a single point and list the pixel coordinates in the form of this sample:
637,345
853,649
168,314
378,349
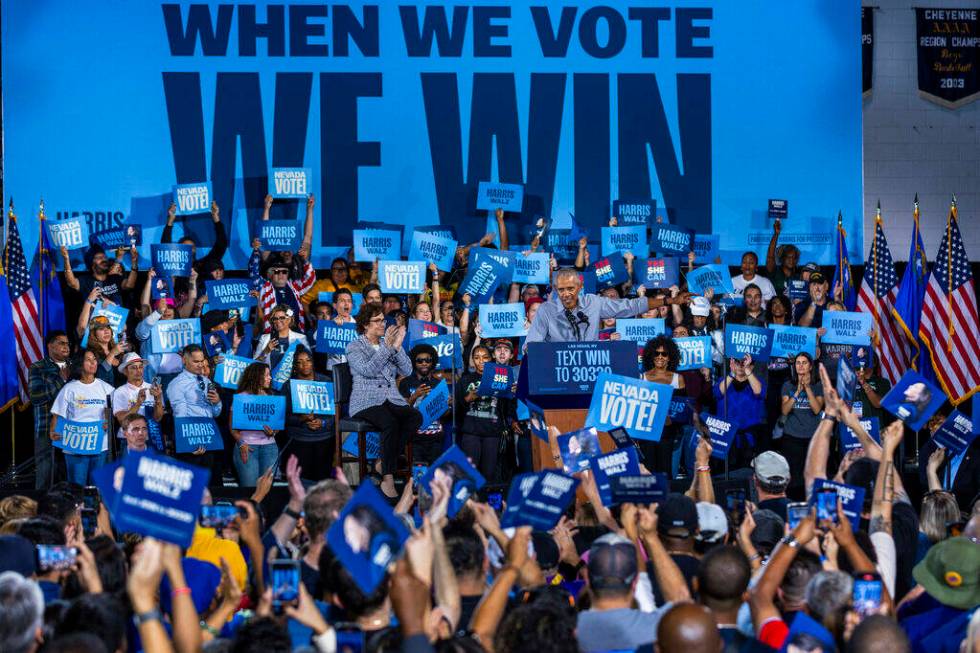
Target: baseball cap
700,306
503,342
768,529
130,357
811,267
771,469
677,512
612,562
950,573
712,522
16,554
817,277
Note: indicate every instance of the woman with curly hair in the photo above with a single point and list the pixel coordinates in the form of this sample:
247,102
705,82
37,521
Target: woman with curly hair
255,450
660,360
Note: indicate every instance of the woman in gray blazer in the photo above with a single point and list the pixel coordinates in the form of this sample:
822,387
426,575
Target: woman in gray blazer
376,358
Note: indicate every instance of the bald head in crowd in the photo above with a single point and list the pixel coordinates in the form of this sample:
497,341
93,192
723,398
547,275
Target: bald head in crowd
688,628
878,634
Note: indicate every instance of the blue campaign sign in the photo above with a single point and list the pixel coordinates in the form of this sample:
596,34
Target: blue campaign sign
659,272
192,433
640,330
680,410
741,340
706,248
797,289
367,537
421,330
632,238
245,345
695,352
449,350
70,234
622,462
788,341
82,438
284,369
229,371
129,235
502,320
636,405
491,196
635,211
170,336
572,368
540,501
327,296
173,260
577,448
849,439
956,434
533,267
376,244
229,293
846,381
290,183
372,445
441,230
851,497
714,276
254,412
433,248
192,198
847,328
216,343
641,490
720,432
312,397
913,400
610,270
504,257
672,239
453,465
402,277
434,405
160,497
280,235
482,279
497,381
116,315
536,420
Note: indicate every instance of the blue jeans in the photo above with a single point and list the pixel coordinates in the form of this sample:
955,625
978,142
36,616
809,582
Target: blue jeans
80,467
260,458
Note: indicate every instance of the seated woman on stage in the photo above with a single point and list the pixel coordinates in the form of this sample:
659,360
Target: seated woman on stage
376,358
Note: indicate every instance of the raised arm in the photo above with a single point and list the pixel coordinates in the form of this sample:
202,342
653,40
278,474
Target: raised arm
762,596
582,258
502,229
307,244
702,488
187,307
70,277
168,230
771,262
220,238
134,266
669,577
884,489
186,624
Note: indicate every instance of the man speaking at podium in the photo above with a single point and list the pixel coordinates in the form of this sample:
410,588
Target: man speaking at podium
577,317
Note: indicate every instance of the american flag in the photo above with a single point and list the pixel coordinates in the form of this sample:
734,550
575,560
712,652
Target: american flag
27,329
879,288
949,326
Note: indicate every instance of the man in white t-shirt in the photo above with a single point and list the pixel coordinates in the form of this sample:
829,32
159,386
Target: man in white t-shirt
750,266
136,396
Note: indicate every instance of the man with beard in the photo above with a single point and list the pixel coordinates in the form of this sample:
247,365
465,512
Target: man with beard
99,265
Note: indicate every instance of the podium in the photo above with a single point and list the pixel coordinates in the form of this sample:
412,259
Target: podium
558,377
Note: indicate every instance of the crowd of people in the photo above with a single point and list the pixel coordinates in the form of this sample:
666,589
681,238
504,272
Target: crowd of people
695,572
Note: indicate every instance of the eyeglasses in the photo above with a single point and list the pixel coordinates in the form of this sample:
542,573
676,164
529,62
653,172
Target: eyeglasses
278,318
423,359
279,271
379,318
660,352
340,269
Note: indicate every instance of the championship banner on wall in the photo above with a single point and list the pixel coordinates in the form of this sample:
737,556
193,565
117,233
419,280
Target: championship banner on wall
867,49
947,42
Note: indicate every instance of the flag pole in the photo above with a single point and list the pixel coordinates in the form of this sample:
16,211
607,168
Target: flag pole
949,271
874,269
40,275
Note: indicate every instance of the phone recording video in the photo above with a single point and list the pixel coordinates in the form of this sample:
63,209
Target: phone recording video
735,505
285,583
867,594
54,557
90,522
796,512
350,638
827,505
218,516
90,497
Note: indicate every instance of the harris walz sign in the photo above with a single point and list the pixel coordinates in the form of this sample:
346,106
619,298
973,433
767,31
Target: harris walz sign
867,49
947,41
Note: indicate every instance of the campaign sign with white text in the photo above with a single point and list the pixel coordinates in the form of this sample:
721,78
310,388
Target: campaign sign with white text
846,381
192,198
505,258
192,433
720,432
433,405
254,412
562,368
502,320
636,405
497,381
284,369
714,276
333,338
70,234
128,235
956,434
454,466
640,330
695,352
547,495
171,260
615,463
312,397
913,400
229,371
433,248
482,279
367,537
659,272
160,497
290,183
376,244
641,490
849,439
672,239
797,289
610,270
116,315
532,268
851,498
847,328
788,341
419,330
491,196
742,340
170,336
279,235
449,350
79,438
401,277
577,448
631,238
229,293
635,211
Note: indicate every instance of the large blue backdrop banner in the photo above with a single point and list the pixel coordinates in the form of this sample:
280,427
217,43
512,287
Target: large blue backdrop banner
401,109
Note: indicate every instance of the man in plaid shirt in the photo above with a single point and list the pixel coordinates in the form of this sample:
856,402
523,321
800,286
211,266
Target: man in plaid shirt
47,376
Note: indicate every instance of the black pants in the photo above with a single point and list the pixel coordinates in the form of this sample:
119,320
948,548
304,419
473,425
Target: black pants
426,448
482,450
397,425
794,450
316,458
